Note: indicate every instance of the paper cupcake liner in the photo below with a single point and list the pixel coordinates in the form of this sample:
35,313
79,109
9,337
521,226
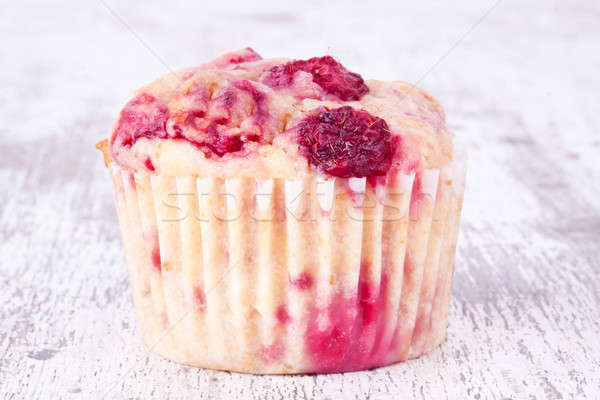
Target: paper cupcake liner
283,276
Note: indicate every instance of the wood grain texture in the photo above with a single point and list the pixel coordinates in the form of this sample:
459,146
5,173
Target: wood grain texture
520,91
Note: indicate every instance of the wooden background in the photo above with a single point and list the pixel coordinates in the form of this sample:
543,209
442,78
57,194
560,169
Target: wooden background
519,80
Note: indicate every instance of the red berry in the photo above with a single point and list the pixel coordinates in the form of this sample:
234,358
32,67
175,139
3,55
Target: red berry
282,314
199,298
245,55
231,59
259,98
156,257
326,72
303,281
143,116
345,142
148,164
146,116
219,143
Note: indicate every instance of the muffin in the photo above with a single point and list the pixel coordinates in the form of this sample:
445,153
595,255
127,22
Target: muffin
286,216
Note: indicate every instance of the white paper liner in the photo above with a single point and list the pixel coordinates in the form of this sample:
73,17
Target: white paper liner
284,276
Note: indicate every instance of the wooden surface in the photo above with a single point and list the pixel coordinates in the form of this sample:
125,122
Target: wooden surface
520,87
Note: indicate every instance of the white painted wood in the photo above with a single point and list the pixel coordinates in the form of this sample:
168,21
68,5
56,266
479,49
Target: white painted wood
521,92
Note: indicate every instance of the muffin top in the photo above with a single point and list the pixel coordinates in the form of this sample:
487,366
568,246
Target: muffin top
242,115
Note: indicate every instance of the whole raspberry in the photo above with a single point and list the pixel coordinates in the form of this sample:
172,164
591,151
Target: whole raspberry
345,142
326,72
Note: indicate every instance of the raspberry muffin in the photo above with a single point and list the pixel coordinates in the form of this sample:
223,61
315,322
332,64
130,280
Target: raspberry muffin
286,216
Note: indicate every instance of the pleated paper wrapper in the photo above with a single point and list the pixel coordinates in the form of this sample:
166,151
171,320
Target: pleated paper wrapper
280,276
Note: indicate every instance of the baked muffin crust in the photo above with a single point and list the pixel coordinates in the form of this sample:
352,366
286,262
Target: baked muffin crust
239,115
